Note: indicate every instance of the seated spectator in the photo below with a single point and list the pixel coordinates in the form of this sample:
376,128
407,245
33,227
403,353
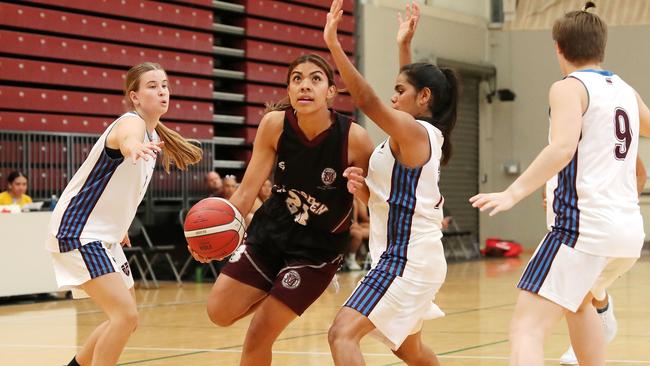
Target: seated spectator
229,186
359,231
16,188
214,184
262,196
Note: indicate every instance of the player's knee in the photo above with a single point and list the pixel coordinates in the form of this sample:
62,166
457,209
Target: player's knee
218,316
126,318
338,332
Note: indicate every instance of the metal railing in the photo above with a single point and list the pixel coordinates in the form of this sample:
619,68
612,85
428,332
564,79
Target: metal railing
50,159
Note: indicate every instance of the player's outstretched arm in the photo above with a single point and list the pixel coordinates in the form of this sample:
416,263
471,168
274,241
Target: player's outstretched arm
128,137
567,100
261,163
410,136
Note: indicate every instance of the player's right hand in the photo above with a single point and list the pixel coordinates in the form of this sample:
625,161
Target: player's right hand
144,150
198,257
355,178
408,23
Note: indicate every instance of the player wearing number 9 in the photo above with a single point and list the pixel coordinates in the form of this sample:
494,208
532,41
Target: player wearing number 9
597,229
297,237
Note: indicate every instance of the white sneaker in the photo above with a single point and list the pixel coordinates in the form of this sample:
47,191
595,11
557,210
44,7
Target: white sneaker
351,262
569,357
610,327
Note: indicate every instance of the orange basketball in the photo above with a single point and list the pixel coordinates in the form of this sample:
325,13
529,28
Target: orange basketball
214,228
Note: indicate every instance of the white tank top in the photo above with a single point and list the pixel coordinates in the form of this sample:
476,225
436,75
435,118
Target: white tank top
593,201
101,199
405,204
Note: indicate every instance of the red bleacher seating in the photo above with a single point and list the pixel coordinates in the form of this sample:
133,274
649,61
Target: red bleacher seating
111,29
278,53
293,13
293,34
92,77
348,6
149,11
22,43
32,99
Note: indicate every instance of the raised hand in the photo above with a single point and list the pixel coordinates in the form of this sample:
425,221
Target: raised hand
408,23
333,19
355,178
144,150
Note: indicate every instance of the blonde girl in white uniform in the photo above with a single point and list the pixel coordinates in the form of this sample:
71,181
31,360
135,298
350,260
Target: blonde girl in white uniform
597,232
405,204
89,224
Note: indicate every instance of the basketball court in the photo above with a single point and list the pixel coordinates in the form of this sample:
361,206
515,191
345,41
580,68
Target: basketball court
478,298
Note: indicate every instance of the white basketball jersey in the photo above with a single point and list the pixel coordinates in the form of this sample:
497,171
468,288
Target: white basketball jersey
593,201
101,199
405,204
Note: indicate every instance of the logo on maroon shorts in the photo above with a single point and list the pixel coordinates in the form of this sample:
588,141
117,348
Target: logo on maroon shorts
126,269
291,280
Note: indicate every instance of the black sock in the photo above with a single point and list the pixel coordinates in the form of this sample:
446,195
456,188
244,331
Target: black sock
74,362
602,310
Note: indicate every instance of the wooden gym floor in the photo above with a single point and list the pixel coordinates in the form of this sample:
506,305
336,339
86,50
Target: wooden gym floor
478,298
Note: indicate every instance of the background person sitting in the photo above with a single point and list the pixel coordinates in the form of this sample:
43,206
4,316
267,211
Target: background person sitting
229,186
214,184
16,189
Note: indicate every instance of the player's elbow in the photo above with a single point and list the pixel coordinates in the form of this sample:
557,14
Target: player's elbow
564,152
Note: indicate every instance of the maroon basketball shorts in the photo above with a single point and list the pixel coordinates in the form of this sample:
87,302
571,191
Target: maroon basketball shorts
295,283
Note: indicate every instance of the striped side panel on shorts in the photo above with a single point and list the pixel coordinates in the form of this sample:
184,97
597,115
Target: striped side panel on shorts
540,265
372,288
96,259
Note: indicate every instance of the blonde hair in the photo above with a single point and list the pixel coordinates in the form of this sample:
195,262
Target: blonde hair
176,149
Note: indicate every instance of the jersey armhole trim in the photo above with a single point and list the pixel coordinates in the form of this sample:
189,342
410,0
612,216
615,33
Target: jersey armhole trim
588,95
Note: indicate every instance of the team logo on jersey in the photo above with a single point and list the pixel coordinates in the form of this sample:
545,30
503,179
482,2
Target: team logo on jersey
126,269
236,256
328,176
291,280
282,165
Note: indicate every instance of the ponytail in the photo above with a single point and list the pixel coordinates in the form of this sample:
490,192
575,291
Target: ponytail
176,149
443,105
446,115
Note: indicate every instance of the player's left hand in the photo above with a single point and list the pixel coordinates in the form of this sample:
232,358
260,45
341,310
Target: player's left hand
333,19
355,178
495,202
126,242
